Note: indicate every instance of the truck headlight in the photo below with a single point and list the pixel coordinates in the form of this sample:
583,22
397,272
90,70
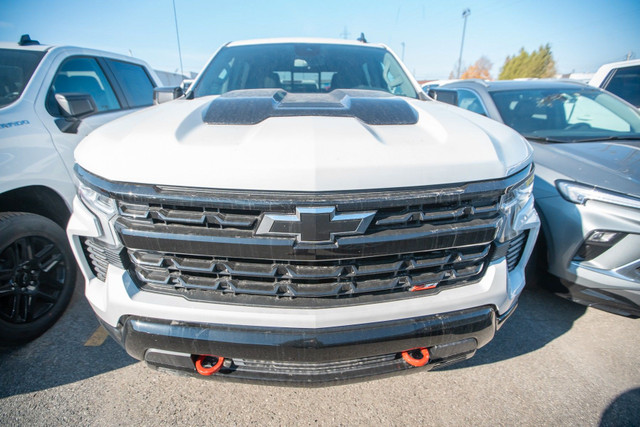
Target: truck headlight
515,205
580,194
97,202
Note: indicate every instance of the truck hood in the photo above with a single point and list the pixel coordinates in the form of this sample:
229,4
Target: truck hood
609,165
344,140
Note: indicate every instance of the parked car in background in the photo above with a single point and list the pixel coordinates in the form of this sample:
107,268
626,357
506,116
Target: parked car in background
50,98
620,78
587,184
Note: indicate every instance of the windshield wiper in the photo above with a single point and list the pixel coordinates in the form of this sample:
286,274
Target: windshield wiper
610,138
545,139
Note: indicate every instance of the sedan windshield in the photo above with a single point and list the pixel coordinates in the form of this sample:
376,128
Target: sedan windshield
304,68
16,68
567,115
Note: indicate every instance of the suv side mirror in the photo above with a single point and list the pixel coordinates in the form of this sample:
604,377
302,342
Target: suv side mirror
166,94
74,107
444,95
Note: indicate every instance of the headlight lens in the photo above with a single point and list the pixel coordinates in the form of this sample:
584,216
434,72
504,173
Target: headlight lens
97,201
579,194
512,203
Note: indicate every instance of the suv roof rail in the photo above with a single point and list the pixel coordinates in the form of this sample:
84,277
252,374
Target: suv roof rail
25,40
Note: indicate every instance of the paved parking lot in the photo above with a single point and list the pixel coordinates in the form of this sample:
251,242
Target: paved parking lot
553,363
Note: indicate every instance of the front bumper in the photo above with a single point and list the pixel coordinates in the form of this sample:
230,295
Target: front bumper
308,356
610,281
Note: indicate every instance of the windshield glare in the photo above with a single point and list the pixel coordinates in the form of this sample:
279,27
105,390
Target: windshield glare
567,114
16,68
304,68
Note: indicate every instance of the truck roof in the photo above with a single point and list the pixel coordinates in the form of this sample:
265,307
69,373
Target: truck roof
302,40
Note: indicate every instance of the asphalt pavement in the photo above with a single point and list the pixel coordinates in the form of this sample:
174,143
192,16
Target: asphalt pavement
553,363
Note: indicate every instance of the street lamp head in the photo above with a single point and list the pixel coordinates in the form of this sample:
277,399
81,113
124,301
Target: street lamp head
466,13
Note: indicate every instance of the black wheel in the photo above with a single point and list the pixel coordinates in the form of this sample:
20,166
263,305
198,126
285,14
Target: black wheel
37,275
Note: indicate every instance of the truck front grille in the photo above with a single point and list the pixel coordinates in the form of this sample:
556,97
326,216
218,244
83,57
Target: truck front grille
209,245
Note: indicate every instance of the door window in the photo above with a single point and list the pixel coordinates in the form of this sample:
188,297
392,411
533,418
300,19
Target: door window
470,101
82,75
626,84
135,82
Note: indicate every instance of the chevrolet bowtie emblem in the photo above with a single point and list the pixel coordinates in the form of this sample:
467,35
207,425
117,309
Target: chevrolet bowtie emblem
315,225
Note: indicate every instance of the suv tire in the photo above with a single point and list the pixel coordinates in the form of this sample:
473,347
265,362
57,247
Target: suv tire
37,275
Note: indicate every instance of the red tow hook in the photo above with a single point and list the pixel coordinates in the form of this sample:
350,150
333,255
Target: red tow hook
417,362
204,359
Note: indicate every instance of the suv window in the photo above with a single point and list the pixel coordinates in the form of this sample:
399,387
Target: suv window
16,68
470,101
82,75
625,83
304,67
135,82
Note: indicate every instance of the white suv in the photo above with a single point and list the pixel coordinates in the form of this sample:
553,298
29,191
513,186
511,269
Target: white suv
50,98
620,78
303,214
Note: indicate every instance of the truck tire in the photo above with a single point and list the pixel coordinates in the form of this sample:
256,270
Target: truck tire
37,275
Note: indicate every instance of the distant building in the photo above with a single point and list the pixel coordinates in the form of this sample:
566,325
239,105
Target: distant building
173,79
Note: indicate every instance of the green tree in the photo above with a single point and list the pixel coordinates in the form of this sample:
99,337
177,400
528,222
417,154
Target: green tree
539,63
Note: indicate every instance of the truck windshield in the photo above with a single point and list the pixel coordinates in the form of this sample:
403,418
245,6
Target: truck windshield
567,115
304,68
16,68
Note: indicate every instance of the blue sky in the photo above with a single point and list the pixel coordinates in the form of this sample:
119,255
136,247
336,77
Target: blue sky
582,34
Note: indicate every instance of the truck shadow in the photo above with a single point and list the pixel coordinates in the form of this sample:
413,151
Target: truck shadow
623,410
60,356
540,318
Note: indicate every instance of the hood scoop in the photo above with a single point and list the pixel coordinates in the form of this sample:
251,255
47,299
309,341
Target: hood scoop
249,107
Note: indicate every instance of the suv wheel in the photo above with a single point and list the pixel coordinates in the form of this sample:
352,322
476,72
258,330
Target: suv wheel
37,275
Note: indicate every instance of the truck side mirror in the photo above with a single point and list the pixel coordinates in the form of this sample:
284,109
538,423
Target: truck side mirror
74,107
444,95
166,94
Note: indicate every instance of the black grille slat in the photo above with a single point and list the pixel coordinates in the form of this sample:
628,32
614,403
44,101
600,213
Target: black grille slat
346,278
243,244
516,248
100,255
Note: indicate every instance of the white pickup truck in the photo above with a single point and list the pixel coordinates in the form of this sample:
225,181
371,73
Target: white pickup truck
50,98
305,214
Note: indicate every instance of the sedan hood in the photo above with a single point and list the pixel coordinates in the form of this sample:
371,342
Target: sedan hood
271,140
609,165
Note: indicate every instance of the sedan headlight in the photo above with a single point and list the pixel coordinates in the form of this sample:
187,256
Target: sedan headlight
580,194
97,202
514,205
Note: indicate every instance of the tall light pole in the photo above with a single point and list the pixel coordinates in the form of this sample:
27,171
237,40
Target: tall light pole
175,18
465,13
402,43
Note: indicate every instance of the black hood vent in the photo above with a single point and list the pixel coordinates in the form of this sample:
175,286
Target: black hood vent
249,107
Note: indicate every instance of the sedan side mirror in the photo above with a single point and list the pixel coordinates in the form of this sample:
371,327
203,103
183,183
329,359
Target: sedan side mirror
444,95
166,94
74,107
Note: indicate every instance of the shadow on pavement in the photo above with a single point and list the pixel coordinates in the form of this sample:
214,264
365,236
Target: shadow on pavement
623,411
540,318
59,356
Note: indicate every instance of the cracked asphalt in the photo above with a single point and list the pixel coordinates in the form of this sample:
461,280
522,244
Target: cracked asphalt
554,363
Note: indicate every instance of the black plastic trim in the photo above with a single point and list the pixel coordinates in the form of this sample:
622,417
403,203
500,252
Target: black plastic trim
607,300
249,107
308,345
242,245
275,200
323,346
